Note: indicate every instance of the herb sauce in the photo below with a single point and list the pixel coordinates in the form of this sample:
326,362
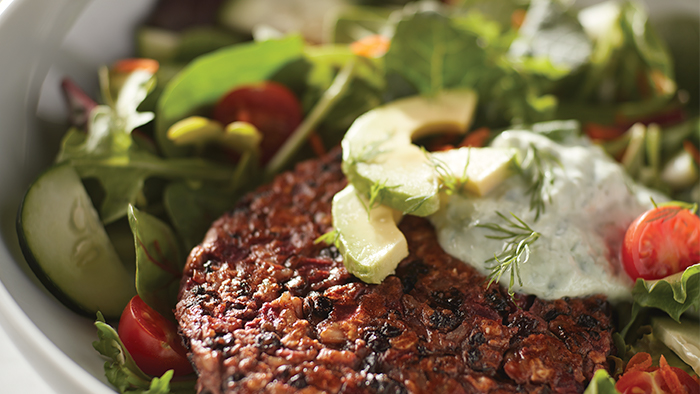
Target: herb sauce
589,201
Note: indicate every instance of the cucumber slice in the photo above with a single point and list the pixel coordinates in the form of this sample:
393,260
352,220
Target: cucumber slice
67,247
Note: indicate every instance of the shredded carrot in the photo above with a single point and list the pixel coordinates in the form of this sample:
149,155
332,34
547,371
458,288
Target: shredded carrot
517,18
131,65
476,138
694,152
371,46
317,144
640,362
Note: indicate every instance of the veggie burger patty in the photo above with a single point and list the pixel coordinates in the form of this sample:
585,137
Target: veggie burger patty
263,308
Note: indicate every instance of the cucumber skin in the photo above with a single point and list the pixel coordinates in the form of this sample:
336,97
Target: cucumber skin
41,275
36,268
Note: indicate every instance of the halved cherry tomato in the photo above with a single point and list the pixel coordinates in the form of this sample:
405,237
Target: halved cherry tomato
270,107
152,340
661,242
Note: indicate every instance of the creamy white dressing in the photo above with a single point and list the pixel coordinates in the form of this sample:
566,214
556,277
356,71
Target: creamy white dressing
582,226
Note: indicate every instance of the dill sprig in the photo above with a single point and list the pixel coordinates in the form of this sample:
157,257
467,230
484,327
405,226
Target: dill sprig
376,195
518,237
329,238
449,182
537,167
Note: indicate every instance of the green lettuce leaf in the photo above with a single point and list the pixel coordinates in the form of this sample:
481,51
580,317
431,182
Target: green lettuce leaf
159,261
123,373
601,383
674,294
208,77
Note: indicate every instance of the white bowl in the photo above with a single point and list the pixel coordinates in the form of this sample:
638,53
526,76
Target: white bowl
42,41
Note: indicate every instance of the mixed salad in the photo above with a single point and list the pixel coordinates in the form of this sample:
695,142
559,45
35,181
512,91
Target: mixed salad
217,104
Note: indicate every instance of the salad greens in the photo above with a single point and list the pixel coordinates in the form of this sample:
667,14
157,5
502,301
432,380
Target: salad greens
159,261
123,373
530,64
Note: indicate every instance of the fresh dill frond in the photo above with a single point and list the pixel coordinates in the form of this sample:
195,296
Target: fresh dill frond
518,237
449,182
417,202
329,238
376,196
537,167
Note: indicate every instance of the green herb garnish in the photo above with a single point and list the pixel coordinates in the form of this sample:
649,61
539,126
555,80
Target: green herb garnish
518,237
329,238
449,182
537,168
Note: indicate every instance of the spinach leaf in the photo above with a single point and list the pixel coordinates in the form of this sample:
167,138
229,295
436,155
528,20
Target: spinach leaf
208,77
192,209
159,261
429,52
123,373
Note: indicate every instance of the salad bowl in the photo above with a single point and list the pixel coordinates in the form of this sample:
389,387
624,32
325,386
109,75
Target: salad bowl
44,41
49,39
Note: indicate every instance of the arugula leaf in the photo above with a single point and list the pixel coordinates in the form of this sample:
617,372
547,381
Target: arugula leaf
159,261
208,77
122,175
123,373
110,126
601,383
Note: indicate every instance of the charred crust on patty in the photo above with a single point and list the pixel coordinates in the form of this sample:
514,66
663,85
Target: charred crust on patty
265,309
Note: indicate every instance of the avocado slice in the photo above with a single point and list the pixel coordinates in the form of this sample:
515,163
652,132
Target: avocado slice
476,170
379,158
370,242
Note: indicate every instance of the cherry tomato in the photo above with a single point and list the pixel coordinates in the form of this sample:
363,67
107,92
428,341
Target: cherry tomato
661,242
152,340
270,107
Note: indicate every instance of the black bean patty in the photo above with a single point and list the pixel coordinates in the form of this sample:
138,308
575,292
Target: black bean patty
265,309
